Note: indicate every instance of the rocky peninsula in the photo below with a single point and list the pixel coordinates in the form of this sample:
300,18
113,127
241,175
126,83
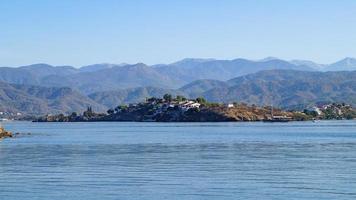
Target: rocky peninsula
180,109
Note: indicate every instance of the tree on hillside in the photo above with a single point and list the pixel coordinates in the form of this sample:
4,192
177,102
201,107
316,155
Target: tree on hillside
73,115
167,97
151,99
181,98
110,111
88,113
201,100
121,108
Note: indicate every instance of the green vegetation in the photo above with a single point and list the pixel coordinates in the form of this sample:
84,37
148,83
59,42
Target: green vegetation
167,97
201,100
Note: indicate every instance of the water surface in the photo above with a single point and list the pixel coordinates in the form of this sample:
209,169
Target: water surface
298,160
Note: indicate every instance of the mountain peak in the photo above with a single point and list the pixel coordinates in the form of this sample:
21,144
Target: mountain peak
192,60
269,58
100,66
308,63
345,64
349,60
137,65
37,65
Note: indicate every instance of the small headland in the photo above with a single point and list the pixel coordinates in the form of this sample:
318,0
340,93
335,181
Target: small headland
181,109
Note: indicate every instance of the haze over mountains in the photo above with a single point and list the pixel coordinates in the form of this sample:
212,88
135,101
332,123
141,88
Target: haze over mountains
42,88
34,100
287,88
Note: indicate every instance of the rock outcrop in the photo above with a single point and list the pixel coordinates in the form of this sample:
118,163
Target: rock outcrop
4,133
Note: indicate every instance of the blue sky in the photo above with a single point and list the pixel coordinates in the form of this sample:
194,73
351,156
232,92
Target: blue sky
80,32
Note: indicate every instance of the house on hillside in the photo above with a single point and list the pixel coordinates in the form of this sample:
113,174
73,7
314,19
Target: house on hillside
189,104
229,105
315,109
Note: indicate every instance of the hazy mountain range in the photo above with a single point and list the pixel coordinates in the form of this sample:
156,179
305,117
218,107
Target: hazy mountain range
100,77
42,88
36,100
283,88
287,88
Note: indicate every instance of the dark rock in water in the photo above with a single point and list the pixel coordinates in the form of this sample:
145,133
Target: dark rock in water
19,134
4,133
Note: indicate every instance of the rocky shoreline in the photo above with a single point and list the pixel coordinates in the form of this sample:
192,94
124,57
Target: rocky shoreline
4,133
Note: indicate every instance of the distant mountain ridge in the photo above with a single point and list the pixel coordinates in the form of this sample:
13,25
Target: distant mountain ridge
310,64
100,77
97,67
222,69
346,64
288,88
282,88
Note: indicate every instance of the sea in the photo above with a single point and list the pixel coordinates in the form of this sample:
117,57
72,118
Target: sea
156,161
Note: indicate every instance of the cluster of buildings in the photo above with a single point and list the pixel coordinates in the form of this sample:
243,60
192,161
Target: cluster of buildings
154,107
334,109
186,105
4,115
163,106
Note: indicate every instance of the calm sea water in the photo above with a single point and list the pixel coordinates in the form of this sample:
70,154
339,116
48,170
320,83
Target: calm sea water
298,160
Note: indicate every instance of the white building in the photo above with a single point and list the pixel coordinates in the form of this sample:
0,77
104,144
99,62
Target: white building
230,105
315,109
190,104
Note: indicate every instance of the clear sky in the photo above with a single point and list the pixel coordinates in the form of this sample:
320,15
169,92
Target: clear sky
80,32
